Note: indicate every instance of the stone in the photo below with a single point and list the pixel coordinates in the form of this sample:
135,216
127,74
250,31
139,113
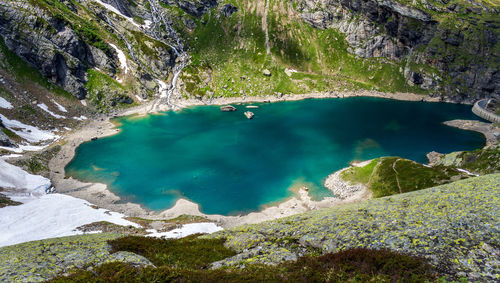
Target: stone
266,73
228,10
227,108
249,114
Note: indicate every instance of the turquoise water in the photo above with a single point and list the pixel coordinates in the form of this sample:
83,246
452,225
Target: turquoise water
229,164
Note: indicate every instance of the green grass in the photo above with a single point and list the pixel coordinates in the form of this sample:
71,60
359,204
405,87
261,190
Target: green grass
482,161
5,201
188,252
354,265
225,49
13,136
393,175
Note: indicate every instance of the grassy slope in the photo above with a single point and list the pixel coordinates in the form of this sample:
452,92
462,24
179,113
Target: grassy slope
393,175
226,49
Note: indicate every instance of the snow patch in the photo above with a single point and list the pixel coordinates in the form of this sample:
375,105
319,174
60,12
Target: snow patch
116,11
50,216
42,215
186,230
46,109
83,102
27,132
467,172
5,104
12,177
123,60
81,118
23,147
59,106
163,88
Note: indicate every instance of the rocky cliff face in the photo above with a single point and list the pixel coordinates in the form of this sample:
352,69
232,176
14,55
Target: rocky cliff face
112,52
426,36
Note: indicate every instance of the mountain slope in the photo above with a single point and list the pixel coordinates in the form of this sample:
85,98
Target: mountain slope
112,50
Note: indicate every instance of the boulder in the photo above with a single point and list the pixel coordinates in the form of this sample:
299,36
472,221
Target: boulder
249,114
227,108
266,73
228,10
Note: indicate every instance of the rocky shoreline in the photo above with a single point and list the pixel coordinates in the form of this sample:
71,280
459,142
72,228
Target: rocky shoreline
99,194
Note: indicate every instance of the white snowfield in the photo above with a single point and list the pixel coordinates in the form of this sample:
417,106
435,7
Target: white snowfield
13,177
27,132
5,104
50,216
42,215
122,58
186,230
46,109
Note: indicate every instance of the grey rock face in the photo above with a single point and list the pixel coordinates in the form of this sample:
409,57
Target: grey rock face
228,10
196,7
386,28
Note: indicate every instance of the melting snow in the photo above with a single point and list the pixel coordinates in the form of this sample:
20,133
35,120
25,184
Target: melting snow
186,230
49,216
116,11
122,58
46,109
59,106
467,172
41,215
27,132
14,177
81,118
5,104
23,147
163,88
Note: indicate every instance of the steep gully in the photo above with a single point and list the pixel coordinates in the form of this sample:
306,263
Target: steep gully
181,56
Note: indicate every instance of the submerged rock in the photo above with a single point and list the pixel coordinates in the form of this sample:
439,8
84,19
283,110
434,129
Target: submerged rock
249,114
227,108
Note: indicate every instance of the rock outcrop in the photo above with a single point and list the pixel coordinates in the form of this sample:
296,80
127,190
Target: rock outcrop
387,28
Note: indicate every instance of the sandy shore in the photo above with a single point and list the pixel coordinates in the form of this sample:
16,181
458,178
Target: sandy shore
99,195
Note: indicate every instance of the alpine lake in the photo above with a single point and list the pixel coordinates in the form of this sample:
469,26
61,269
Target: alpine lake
232,165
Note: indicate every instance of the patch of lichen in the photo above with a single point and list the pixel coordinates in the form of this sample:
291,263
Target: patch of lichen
41,260
452,225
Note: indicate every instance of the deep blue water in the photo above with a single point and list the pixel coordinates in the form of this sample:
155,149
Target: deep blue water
229,164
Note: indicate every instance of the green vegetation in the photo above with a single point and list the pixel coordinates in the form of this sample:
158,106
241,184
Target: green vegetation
13,136
480,161
104,92
393,175
188,252
5,201
355,265
229,55
37,163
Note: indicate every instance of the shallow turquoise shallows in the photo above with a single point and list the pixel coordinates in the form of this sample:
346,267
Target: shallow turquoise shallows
230,165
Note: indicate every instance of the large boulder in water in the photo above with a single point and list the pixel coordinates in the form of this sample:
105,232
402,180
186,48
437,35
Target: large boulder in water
227,108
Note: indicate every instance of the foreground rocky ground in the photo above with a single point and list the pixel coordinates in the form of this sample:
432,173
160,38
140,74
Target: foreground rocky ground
455,226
